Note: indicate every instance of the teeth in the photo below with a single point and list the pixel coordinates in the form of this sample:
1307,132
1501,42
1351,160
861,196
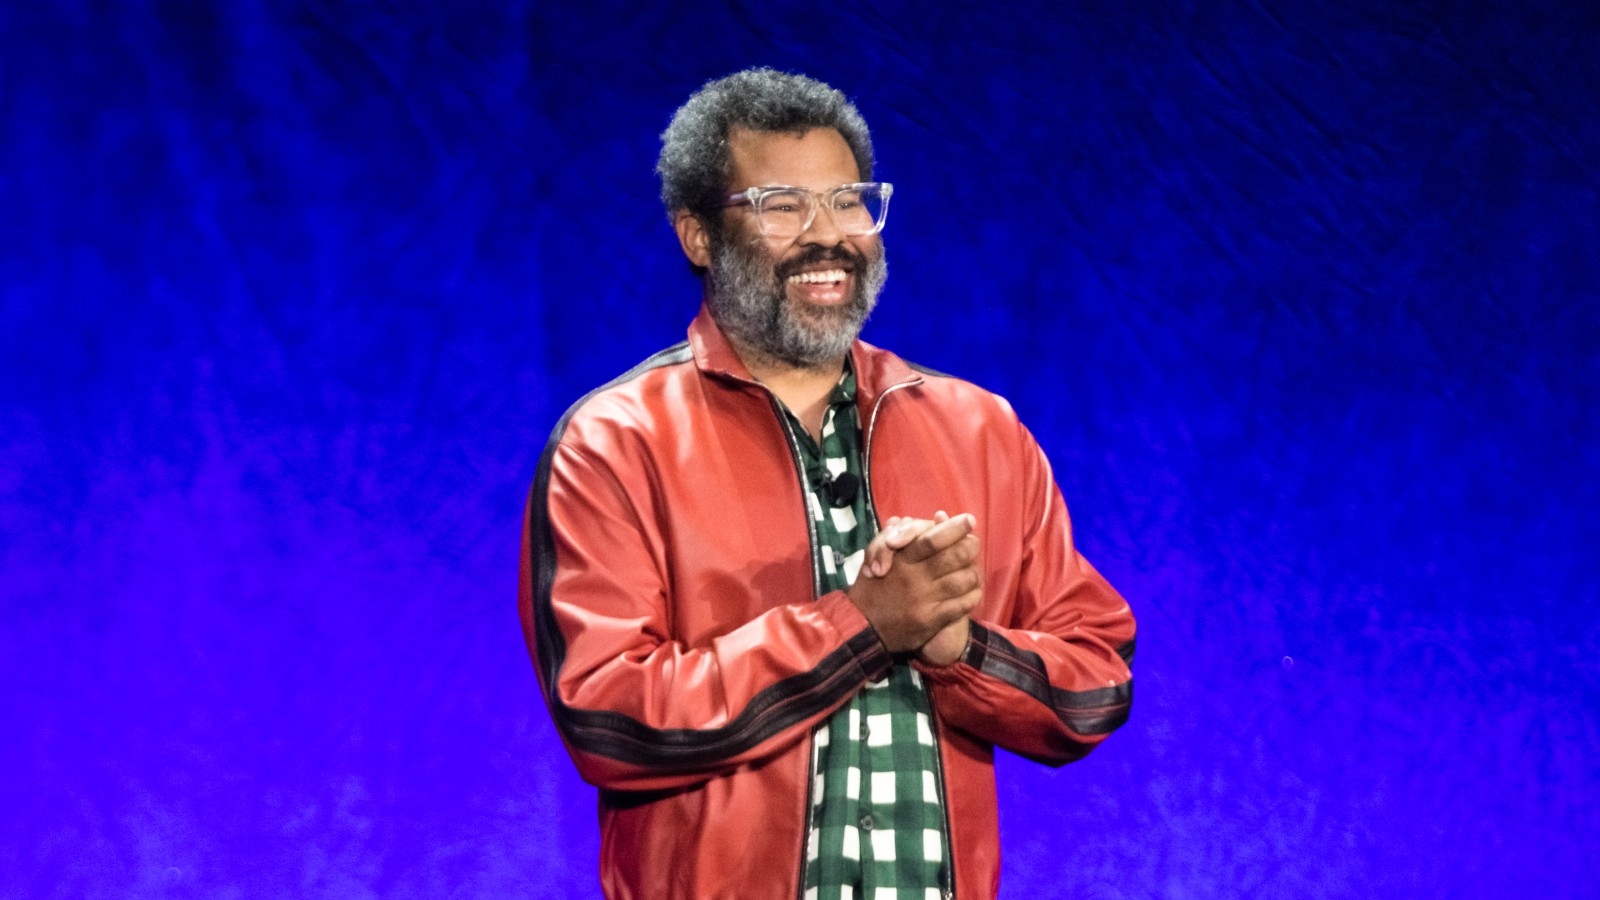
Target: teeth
824,277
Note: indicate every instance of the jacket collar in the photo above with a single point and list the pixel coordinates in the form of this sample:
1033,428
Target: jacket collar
877,370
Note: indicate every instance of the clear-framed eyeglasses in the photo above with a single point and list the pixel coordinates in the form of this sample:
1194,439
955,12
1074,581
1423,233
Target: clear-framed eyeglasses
785,211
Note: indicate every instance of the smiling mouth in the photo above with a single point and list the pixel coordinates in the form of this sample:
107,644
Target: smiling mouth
830,277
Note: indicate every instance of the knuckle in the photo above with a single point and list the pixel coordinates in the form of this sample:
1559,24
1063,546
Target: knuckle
960,583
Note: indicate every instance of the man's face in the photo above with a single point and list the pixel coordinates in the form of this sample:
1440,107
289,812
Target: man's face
803,299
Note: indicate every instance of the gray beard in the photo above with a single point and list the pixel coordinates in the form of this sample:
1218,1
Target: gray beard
750,305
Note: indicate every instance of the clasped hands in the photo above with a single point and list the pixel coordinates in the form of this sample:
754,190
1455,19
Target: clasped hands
919,582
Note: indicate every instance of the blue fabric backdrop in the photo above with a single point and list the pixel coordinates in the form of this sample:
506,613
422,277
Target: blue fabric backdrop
1301,298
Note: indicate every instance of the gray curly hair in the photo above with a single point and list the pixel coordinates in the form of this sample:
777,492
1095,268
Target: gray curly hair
694,162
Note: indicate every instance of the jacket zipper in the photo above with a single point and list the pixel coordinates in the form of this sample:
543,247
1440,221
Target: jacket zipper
816,593
949,888
866,448
805,494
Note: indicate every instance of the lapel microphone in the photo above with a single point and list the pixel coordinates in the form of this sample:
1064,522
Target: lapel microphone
841,491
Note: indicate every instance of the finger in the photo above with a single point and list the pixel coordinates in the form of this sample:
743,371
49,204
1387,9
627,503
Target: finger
955,608
876,558
958,584
963,554
905,530
964,604
968,603
897,532
939,537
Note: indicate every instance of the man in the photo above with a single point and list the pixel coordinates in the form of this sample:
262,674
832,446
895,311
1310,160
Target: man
773,698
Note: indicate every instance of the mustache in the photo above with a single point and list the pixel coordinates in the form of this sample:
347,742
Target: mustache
814,254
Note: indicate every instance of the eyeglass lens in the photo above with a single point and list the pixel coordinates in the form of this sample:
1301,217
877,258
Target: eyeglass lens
855,211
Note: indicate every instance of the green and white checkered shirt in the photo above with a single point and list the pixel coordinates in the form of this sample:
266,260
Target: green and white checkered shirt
877,821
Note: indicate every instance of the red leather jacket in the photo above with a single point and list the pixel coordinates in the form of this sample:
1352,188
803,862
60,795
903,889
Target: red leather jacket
669,600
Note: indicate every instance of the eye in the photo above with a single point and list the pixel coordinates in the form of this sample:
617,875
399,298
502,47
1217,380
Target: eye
784,203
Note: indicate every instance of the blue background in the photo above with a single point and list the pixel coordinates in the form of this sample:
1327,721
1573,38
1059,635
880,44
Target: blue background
1300,297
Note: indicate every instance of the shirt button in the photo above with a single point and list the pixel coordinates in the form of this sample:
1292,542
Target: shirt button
866,821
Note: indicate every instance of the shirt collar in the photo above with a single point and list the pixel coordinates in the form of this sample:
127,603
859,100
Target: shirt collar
845,390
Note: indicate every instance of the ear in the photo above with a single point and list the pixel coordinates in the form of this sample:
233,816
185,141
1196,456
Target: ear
692,236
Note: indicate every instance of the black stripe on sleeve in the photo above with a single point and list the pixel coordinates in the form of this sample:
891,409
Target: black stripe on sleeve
777,707
1092,712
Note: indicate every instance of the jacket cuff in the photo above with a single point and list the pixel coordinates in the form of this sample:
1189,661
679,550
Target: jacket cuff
964,666
872,657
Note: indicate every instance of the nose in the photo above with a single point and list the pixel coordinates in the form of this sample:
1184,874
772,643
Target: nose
823,230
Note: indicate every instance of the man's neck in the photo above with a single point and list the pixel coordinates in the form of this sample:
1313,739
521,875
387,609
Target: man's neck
803,389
